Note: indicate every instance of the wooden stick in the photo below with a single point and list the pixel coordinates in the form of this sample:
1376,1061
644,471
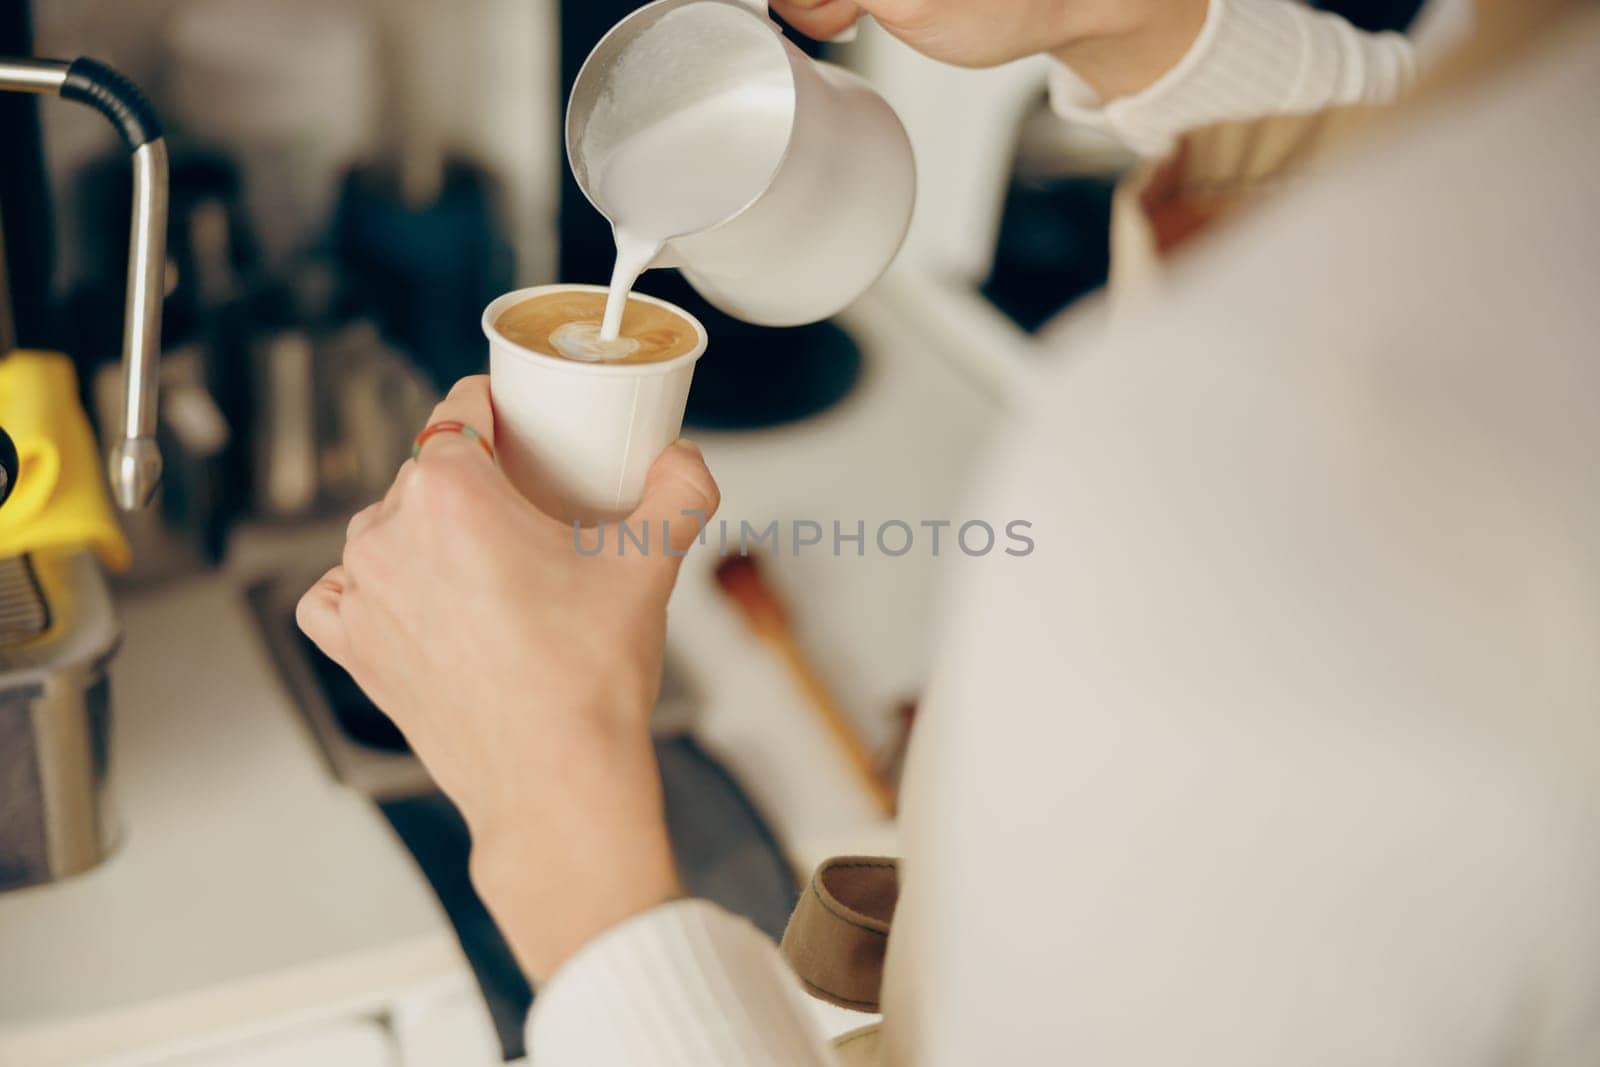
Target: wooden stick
741,579
838,725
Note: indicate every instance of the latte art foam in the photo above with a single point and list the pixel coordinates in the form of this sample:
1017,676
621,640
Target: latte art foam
566,324
582,341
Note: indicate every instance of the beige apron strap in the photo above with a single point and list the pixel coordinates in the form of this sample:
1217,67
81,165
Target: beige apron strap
837,935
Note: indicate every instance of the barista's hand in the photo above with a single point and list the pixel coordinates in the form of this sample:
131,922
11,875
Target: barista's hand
522,673
1120,46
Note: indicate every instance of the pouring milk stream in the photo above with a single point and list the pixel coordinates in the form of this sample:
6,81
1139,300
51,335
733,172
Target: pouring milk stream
685,169
685,173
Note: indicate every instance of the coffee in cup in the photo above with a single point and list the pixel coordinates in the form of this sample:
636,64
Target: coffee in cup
565,323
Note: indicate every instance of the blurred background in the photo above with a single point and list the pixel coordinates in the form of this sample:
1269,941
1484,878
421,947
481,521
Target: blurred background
352,180
269,877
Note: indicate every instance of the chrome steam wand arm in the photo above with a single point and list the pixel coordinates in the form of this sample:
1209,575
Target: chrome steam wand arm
135,461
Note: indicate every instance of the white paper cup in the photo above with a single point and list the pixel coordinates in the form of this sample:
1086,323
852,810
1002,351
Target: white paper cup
577,439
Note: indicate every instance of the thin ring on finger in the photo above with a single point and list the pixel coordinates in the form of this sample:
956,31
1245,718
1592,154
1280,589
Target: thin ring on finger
455,426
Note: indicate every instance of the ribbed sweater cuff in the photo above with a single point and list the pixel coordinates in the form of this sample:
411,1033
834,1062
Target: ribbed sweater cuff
1252,58
685,984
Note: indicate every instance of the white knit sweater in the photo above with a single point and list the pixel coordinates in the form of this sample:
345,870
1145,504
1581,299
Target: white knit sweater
1283,747
1253,57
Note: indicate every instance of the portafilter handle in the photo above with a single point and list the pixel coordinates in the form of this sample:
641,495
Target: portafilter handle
135,461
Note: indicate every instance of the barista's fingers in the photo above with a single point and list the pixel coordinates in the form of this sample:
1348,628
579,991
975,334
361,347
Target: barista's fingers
362,521
820,20
335,582
680,496
318,615
468,404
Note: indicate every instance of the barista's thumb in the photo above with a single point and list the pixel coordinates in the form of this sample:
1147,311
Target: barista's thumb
680,496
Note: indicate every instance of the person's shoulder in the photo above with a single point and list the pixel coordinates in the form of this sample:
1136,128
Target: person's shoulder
1431,283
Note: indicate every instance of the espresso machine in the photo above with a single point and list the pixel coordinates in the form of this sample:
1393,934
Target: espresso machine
58,628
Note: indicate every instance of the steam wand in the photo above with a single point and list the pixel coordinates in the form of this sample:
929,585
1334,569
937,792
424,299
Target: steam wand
135,461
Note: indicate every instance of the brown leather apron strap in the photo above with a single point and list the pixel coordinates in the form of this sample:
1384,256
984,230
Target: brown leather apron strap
836,938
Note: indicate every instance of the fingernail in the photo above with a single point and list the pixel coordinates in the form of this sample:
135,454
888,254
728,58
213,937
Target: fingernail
685,443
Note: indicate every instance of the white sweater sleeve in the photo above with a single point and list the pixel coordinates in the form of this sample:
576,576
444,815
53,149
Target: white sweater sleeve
1252,58
682,985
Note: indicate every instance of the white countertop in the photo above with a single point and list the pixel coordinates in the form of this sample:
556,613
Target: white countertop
248,889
